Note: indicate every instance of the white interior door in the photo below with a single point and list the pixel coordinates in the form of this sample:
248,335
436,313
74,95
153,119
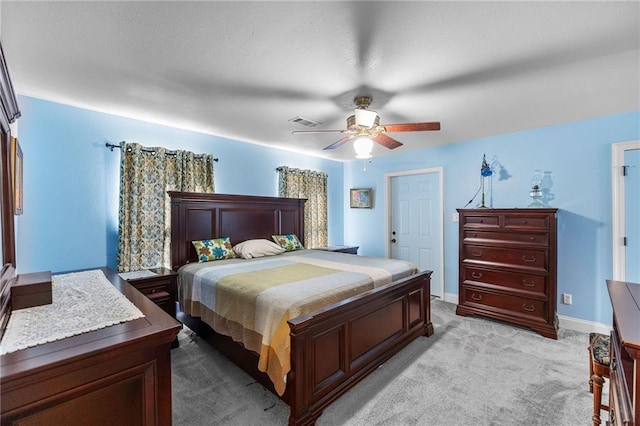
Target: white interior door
625,179
632,214
415,222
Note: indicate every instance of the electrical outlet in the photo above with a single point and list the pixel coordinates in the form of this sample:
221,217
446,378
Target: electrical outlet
566,298
456,217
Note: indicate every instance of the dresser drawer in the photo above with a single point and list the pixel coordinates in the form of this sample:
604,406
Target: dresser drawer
527,258
481,221
504,303
157,286
535,285
541,239
526,222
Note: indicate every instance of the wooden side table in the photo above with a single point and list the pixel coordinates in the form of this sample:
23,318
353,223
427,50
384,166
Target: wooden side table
159,288
341,249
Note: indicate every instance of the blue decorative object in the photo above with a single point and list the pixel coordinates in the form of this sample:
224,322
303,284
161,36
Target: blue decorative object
485,171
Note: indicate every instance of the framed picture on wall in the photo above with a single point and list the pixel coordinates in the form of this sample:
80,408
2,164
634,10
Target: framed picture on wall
361,198
16,163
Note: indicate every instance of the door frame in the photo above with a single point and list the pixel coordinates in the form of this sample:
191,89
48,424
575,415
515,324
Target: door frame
388,177
618,215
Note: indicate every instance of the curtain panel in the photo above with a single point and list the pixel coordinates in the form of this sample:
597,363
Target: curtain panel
312,185
146,174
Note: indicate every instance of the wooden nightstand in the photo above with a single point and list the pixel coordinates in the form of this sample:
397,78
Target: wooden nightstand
341,249
160,288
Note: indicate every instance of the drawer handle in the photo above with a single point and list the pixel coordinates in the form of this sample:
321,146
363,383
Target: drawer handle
472,235
528,283
528,259
524,222
476,297
476,275
477,253
528,308
532,238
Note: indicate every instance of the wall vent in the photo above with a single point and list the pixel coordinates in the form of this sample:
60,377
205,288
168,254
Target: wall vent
305,121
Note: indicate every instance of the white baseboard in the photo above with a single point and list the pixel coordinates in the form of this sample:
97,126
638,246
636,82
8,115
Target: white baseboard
451,298
569,323
583,326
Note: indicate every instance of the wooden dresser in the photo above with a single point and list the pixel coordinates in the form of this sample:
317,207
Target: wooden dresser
116,375
508,266
624,393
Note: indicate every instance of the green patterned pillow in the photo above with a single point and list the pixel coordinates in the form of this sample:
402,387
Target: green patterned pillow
288,242
216,249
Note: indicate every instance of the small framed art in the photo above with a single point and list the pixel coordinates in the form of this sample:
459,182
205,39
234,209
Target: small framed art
361,198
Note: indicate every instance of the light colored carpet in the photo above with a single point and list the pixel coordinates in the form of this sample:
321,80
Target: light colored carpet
472,371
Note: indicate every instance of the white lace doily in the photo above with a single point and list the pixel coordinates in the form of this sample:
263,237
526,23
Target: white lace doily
82,302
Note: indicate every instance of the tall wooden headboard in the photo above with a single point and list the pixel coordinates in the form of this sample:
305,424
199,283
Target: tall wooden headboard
198,216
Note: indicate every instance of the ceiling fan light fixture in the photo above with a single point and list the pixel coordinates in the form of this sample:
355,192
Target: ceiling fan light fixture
363,147
365,118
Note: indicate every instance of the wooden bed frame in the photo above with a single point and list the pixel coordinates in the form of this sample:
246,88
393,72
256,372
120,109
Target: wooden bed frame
331,349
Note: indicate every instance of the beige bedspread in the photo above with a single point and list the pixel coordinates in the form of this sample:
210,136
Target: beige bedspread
251,300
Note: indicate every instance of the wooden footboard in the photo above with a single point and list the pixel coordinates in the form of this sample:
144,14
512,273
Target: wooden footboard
334,348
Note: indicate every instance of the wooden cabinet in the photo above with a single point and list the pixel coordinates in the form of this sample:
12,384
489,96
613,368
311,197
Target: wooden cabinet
341,249
115,375
160,288
507,265
624,388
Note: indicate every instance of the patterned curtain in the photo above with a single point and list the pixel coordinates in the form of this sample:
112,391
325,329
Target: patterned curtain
146,174
296,183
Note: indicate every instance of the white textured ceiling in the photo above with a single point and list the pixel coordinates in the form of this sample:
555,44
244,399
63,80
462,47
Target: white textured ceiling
243,69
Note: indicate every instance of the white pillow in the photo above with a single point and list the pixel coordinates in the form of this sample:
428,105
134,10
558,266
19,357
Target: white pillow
257,248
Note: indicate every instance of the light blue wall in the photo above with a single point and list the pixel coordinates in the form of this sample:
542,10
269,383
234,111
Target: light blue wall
71,189
578,155
71,185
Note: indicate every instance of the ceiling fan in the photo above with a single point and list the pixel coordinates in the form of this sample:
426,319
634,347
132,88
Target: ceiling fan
364,126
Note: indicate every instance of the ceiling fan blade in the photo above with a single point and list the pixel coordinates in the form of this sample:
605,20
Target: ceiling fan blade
295,132
412,127
385,140
339,143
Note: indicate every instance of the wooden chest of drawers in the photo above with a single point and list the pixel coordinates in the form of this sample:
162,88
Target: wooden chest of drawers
508,266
